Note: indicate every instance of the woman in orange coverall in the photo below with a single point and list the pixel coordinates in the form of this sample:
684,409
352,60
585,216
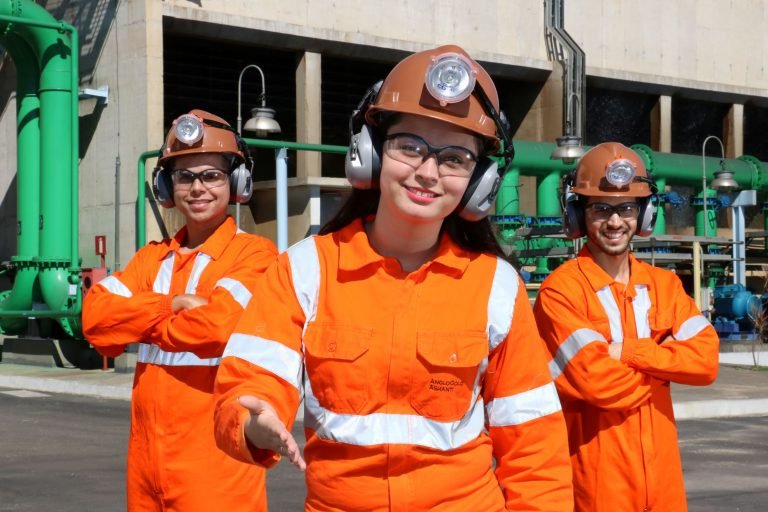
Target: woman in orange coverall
403,326
181,299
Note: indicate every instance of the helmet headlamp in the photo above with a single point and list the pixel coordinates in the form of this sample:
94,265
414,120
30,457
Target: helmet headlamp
189,129
450,78
620,172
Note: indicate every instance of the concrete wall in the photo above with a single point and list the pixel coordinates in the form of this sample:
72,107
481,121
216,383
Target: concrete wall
702,44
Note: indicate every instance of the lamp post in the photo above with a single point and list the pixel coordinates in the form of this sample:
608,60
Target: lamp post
723,180
262,120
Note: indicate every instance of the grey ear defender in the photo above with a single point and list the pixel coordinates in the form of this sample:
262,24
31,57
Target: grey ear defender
240,184
241,175
646,219
162,187
363,160
573,213
480,196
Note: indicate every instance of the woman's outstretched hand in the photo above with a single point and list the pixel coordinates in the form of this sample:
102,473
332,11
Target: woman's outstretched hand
265,431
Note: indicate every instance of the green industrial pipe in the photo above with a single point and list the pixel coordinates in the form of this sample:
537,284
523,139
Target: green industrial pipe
23,293
508,199
141,215
547,205
533,159
57,59
706,226
677,169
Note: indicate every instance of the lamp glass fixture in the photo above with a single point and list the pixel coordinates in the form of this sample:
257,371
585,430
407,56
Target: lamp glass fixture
569,149
262,121
723,181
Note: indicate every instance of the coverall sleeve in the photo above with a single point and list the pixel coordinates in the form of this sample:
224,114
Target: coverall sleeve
581,365
689,357
525,420
263,358
205,329
122,308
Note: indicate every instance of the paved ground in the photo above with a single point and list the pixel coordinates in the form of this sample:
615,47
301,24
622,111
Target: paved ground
67,452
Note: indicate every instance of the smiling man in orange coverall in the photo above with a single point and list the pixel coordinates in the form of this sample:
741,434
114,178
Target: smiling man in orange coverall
620,331
180,299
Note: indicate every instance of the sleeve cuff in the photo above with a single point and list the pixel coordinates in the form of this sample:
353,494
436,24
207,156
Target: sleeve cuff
631,354
259,456
164,307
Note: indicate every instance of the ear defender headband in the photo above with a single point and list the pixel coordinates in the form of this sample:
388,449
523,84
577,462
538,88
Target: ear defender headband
363,158
189,130
574,224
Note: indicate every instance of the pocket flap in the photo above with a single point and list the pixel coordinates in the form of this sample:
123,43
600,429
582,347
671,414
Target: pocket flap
333,341
451,349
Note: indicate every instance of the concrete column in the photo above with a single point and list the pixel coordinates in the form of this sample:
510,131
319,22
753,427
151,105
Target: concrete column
308,113
734,131
661,125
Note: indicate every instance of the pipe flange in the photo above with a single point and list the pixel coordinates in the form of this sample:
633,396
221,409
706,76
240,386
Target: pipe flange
756,164
647,154
49,263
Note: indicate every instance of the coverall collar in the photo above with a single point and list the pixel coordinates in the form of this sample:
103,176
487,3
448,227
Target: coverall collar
214,246
599,278
355,251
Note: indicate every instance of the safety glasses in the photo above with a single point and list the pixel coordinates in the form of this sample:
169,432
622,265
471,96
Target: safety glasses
412,150
603,211
210,178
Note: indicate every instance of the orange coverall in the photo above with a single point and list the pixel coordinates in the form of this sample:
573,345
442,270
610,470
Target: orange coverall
621,427
412,382
173,461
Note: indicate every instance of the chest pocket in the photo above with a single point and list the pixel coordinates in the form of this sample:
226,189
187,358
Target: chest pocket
337,363
446,368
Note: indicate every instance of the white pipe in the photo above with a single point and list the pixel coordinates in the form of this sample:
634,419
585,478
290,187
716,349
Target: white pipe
281,191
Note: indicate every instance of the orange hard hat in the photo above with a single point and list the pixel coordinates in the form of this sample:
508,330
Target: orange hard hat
611,169
201,132
439,84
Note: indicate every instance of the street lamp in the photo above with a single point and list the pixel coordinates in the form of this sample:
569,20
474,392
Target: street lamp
262,119
723,180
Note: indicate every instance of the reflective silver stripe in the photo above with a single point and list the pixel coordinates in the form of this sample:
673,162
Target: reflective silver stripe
614,315
162,282
501,303
525,406
114,285
641,305
235,288
692,327
270,355
305,273
383,428
201,261
152,354
570,347
239,232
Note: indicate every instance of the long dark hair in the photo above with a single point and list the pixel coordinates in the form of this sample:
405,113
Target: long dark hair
476,236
